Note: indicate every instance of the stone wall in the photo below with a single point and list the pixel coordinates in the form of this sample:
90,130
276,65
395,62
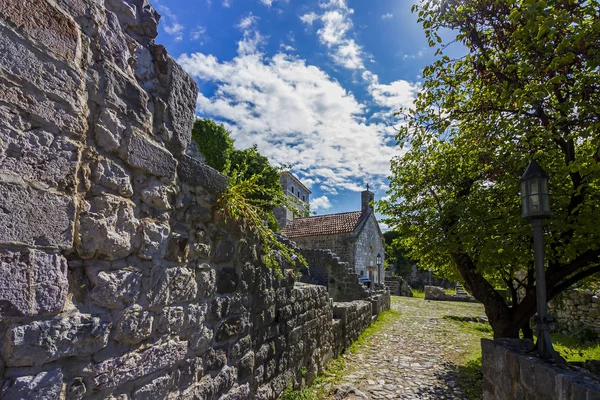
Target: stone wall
398,286
368,244
509,372
437,293
327,269
576,309
118,278
341,245
418,279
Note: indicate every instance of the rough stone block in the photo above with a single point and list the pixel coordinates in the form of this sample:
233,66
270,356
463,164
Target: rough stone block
43,341
107,228
115,289
154,239
199,174
158,195
144,154
116,371
171,284
134,326
171,320
157,389
38,157
113,177
35,217
181,92
32,282
43,386
45,24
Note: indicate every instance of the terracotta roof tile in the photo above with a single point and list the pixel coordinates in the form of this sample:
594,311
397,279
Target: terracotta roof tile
323,225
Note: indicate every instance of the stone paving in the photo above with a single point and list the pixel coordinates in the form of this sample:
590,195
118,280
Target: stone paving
415,356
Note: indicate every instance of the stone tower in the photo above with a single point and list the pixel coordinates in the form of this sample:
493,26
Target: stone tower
293,188
367,197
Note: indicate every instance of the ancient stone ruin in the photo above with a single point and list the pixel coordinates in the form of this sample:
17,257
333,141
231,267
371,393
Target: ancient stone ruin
118,277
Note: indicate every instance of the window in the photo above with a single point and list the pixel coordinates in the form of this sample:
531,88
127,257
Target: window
362,273
303,198
298,194
292,190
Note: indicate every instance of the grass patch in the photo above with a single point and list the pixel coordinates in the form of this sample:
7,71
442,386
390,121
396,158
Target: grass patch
574,350
324,384
418,293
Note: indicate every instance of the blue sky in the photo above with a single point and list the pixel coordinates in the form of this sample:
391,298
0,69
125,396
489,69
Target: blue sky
313,83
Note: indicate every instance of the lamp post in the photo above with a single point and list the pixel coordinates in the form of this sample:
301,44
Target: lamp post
535,203
378,262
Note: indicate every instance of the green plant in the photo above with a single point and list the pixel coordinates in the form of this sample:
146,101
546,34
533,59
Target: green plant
303,371
214,142
243,202
291,394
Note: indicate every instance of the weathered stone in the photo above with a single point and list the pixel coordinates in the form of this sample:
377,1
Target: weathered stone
38,157
134,326
45,24
157,389
43,341
180,97
228,329
143,154
227,280
171,320
171,284
199,174
43,386
154,239
113,177
107,228
32,282
113,42
35,217
77,389
157,195
109,130
225,251
116,371
115,289
178,248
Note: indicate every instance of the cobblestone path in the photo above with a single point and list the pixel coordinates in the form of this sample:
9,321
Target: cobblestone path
415,356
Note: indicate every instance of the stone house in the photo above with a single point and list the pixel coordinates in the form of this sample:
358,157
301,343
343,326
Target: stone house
355,237
295,190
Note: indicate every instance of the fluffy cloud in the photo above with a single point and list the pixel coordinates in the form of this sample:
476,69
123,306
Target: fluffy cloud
335,34
387,16
296,114
320,204
170,24
199,34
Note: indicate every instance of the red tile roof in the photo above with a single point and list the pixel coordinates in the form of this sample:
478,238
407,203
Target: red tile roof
323,225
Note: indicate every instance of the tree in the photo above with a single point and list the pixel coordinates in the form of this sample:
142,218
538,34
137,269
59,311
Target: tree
214,142
396,254
525,87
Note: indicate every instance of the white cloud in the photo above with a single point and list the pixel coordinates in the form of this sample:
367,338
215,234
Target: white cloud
247,22
320,204
387,16
199,34
309,18
297,114
419,54
170,24
226,3
267,3
335,33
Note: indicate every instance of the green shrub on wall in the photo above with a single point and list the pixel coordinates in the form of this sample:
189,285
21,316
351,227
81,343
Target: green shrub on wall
214,142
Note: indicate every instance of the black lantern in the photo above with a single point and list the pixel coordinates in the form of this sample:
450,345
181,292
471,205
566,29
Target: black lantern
378,260
535,199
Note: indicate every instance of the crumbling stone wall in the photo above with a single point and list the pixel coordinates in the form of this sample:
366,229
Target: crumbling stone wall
512,372
118,278
575,309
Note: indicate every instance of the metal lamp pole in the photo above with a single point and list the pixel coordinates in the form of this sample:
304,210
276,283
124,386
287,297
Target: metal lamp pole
535,201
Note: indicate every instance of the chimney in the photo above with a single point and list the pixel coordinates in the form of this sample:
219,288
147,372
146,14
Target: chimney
367,197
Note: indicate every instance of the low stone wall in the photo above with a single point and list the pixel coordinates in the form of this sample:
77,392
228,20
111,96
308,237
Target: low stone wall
398,286
574,309
437,293
509,372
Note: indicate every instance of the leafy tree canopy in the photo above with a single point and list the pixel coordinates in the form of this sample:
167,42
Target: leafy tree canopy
214,142
527,87
396,256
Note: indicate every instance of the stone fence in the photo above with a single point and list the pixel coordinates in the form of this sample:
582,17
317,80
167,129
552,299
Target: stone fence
511,373
575,309
398,286
119,278
438,293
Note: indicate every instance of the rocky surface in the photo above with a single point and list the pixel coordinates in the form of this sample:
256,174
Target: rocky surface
118,277
576,309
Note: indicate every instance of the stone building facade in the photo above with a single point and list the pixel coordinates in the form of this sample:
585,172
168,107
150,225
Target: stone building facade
297,193
119,278
355,237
